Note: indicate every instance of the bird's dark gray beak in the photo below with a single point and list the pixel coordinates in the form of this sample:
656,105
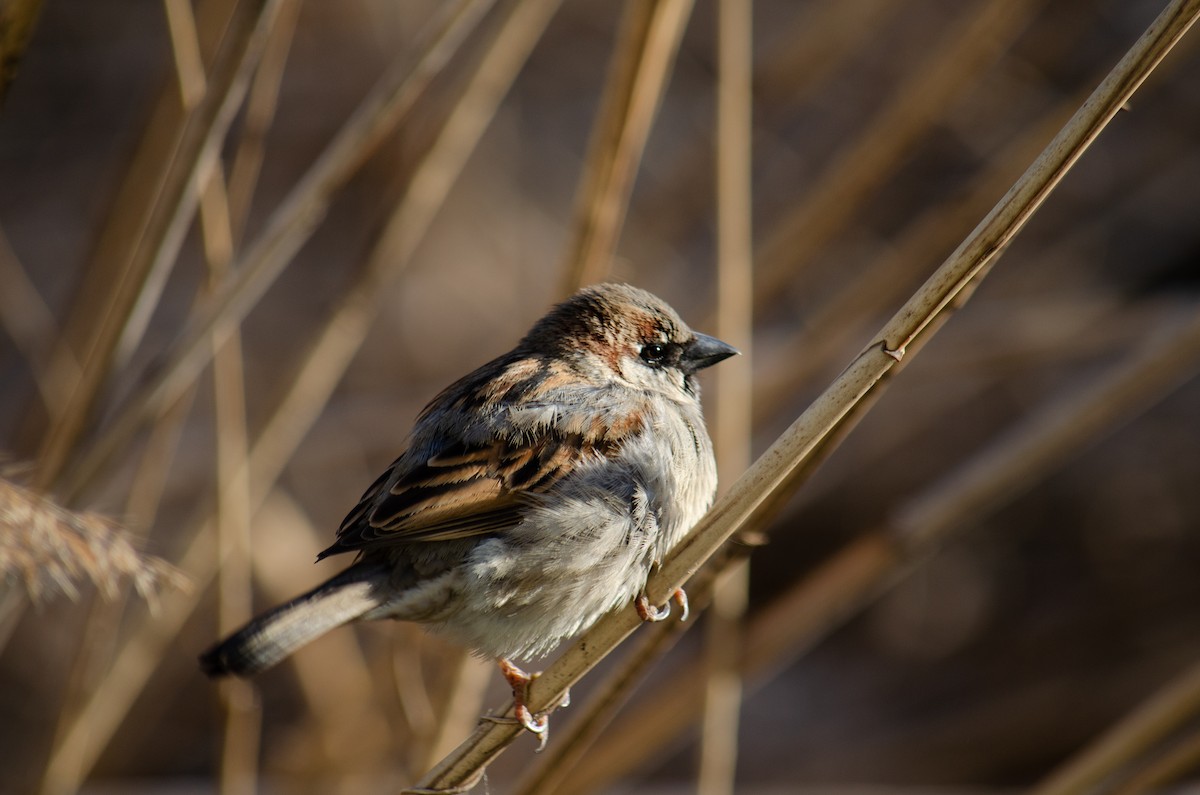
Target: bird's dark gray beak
705,351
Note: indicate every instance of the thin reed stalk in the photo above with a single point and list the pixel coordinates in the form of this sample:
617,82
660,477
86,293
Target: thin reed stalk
18,18
641,64
972,43
732,421
1180,760
1174,705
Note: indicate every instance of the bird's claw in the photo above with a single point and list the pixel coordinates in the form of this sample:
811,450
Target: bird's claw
536,724
650,613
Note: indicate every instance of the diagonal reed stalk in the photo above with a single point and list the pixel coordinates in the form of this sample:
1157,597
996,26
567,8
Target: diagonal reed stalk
27,320
647,46
1174,705
970,45
1179,761
134,292
843,316
18,18
917,317
388,103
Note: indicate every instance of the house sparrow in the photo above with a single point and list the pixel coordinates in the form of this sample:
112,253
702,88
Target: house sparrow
536,494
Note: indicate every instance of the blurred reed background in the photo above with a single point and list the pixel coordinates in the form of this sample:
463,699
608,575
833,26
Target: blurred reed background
241,244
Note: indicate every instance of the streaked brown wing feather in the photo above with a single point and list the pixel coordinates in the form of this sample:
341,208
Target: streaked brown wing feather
465,491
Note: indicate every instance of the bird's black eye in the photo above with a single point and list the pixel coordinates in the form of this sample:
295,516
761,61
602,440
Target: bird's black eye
654,353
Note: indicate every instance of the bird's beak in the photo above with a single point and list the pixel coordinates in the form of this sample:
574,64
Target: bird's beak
705,351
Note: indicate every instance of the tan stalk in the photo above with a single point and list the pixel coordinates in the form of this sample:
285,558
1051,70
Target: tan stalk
1165,771
290,225
185,48
1177,703
17,21
1089,325
819,42
976,253
28,322
239,755
637,77
126,215
732,420
346,726
970,45
136,291
843,317
260,112
461,707
320,373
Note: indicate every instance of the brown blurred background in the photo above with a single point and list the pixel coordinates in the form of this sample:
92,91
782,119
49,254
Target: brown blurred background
882,133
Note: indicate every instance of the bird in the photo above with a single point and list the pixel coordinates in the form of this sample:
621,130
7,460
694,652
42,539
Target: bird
535,495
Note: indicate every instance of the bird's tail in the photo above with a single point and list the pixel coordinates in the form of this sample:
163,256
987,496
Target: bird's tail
276,634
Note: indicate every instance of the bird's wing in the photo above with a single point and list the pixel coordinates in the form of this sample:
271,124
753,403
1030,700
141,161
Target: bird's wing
471,490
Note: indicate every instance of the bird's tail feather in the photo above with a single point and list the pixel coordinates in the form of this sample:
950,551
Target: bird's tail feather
276,634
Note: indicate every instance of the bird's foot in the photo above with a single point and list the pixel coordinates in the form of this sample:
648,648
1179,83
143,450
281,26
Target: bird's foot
519,681
648,612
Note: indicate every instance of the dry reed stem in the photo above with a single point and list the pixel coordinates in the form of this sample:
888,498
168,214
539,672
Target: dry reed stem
239,755
48,550
136,290
1181,759
89,732
29,323
127,213
100,638
274,445
970,45
732,421
261,103
389,102
822,38
812,44
470,116
1039,443
843,317
17,21
185,48
973,256
1088,325
461,706
1172,706
647,45
347,725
